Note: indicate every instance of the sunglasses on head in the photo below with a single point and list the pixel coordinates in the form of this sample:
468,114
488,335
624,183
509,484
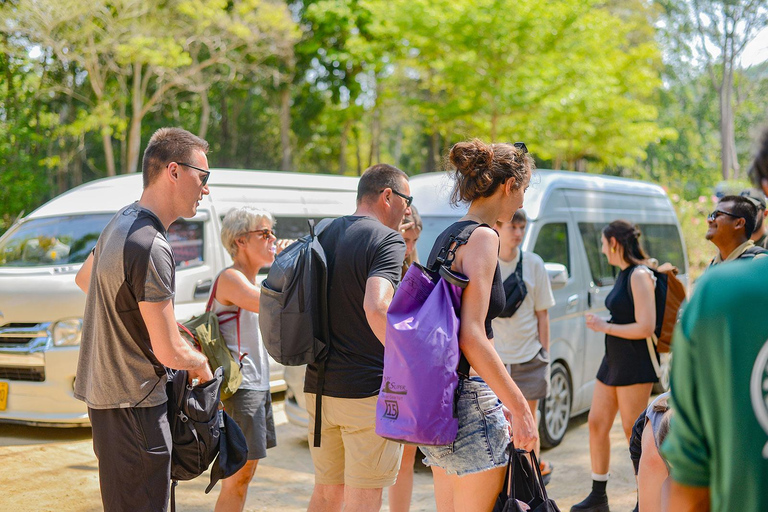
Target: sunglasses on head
264,233
207,173
519,145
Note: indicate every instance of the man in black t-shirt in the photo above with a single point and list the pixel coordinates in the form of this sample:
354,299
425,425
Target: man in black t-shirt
365,256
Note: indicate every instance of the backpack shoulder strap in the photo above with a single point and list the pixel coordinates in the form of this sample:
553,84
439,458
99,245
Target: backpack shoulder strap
448,252
750,253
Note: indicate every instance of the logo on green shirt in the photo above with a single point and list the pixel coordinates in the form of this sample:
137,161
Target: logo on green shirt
758,389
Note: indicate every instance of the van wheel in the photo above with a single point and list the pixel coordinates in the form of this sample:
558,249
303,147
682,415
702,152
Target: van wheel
556,409
666,365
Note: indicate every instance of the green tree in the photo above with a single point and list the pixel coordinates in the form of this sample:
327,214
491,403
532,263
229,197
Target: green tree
711,35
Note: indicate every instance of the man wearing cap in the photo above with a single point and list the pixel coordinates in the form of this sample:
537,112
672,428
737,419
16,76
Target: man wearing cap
730,226
760,235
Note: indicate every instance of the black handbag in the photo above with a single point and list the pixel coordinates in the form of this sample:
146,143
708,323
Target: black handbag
523,484
514,290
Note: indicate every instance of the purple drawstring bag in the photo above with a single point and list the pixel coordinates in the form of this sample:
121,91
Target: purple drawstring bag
417,400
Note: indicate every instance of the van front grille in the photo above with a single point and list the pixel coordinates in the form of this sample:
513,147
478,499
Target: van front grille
29,374
18,334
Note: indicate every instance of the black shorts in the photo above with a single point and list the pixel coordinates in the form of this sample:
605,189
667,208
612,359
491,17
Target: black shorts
252,411
133,447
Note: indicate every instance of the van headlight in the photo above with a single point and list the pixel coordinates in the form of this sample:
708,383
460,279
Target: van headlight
66,333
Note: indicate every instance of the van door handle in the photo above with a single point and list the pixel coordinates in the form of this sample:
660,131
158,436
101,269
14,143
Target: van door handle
573,301
202,289
589,300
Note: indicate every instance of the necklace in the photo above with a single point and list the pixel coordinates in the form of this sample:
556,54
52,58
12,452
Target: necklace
477,217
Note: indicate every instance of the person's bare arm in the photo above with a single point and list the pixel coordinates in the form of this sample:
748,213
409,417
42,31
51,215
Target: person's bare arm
378,295
677,497
477,260
83,277
234,288
168,346
645,311
542,321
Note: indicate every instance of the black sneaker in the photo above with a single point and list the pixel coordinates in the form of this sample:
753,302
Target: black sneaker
592,503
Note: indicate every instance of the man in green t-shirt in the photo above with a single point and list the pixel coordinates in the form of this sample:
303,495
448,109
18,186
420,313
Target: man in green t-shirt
717,446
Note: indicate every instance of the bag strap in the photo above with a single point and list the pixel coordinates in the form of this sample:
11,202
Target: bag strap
233,316
536,477
314,232
652,340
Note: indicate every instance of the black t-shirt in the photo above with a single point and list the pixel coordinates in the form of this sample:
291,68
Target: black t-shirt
356,248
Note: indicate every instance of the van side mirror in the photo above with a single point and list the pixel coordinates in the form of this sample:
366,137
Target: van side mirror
558,275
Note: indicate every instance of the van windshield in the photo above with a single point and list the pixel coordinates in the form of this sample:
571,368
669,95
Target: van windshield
52,240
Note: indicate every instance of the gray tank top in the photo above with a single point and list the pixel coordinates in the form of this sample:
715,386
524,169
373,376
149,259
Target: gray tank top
256,362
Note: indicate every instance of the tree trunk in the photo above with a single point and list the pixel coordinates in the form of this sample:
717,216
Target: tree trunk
77,167
285,128
109,156
398,150
374,156
343,148
205,115
134,134
434,151
729,158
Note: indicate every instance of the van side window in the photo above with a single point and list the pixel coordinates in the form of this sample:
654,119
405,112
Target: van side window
603,274
552,244
662,241
186,239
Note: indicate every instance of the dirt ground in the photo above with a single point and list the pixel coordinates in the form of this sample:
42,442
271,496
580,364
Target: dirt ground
46,469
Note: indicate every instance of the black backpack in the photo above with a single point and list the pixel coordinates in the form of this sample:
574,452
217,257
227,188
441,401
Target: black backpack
750,253
200,432
293,310
293,314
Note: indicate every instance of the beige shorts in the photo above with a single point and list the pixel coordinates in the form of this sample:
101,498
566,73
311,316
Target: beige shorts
350,452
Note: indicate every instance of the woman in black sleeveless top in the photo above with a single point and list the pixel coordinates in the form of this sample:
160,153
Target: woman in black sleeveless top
469,473
627,373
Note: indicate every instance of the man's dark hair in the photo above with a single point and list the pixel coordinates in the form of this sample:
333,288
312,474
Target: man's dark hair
169,145
744,208
759,169
378,177
520,217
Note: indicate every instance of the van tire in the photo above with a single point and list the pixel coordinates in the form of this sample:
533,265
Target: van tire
556,409
666,365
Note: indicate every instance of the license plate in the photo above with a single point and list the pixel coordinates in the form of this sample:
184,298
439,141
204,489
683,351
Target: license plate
3,395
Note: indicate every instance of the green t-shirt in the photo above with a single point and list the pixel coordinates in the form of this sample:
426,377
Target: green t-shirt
719,431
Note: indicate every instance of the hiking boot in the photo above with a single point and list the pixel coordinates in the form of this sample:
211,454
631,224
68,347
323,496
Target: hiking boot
592,503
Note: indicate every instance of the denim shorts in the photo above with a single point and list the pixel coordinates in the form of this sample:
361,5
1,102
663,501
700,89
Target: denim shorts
483,435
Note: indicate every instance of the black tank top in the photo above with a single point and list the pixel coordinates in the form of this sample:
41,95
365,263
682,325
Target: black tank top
463,229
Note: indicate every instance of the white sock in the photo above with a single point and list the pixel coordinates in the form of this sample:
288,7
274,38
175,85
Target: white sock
600,478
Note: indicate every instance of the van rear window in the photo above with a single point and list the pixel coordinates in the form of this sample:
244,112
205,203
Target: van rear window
662,241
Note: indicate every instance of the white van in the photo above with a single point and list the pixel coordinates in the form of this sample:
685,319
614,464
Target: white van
566,214
41,308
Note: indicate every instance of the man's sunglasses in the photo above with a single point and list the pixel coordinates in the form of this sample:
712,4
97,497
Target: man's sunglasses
207,173
408,199
715,214
264,233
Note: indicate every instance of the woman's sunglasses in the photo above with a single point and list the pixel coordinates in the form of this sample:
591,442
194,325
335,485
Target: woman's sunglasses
264,233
